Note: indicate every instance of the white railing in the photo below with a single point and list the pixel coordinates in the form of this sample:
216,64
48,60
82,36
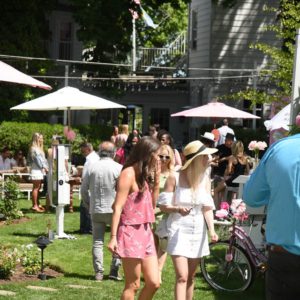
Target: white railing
166,56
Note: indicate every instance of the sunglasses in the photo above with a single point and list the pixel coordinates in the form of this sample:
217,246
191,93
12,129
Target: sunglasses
167,157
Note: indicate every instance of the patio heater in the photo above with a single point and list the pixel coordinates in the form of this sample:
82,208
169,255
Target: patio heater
60,186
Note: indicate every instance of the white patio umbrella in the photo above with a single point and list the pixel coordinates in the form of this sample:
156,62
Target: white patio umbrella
67,98
280,120
10,74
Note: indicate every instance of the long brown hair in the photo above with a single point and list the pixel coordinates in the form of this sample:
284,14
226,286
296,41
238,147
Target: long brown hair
142,157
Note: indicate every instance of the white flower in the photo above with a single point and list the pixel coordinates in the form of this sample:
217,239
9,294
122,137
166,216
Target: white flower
29,246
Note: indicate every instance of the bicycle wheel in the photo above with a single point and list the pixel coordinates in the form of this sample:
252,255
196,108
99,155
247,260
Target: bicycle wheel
227,272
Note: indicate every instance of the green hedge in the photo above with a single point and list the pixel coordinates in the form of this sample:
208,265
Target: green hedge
17,135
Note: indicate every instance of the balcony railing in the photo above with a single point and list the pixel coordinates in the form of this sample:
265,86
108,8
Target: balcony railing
166,56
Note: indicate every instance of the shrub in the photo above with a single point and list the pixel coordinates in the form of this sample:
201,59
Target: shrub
9,194
30,259
17,135
95,133
8,261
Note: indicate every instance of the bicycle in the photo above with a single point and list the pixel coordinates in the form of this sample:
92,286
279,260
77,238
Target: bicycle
232,265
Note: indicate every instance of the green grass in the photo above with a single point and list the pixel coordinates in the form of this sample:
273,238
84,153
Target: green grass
74,258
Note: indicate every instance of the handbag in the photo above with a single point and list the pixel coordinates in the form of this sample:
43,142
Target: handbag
161,229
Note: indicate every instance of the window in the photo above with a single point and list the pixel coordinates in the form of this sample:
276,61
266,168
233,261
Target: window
65,40
194,30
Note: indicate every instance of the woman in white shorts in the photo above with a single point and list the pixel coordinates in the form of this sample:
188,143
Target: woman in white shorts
39,168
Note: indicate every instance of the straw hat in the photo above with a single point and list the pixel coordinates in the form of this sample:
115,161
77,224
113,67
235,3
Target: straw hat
194,149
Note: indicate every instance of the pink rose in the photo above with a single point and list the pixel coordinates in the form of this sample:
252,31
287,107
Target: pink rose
224,205
252,145
261,145
221,213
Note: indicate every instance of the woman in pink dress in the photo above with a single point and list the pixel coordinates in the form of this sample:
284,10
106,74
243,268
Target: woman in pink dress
133,212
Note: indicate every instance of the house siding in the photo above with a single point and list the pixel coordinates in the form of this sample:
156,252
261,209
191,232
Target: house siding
223,42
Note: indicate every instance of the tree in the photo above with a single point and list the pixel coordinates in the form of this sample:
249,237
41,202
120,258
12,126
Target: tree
106,26
23,31
280,67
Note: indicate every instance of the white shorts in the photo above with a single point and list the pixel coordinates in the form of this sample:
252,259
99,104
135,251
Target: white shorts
37,175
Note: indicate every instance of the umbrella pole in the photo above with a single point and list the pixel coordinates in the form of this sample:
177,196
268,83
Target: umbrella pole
69,118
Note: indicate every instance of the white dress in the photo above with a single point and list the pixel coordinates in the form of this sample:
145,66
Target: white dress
188,234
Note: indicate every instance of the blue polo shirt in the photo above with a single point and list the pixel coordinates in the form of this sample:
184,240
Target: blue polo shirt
276,183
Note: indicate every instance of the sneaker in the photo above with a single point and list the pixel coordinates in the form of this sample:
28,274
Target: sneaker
114,275
99,276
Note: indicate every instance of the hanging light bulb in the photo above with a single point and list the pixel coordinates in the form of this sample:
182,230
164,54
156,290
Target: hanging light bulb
147,87
132,88
156,85
119,86
139,89
99,84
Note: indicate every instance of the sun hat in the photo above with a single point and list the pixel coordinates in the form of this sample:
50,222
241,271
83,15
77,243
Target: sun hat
208,136
194,149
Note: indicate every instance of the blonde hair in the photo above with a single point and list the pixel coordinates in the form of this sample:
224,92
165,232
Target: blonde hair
195,172
36,142
237,147
171,163
124,129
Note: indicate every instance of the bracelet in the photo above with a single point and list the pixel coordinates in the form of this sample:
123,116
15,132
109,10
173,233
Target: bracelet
113,235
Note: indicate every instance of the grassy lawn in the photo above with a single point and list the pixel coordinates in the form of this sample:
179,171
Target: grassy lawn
74,258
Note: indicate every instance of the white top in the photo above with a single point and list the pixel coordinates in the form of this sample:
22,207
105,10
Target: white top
188,234
5,164
223,131
89,160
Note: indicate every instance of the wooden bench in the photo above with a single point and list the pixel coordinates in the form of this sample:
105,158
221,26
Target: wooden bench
24,184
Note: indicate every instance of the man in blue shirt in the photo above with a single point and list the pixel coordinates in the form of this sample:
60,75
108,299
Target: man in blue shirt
276,183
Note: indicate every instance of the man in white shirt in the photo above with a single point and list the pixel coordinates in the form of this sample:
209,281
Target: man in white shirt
223,132
5,161
91,157
98,194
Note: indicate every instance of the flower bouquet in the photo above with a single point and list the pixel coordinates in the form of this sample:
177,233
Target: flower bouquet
257,146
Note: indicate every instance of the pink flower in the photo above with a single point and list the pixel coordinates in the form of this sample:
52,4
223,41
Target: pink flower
224,205
221,213
252,145
257,146
298,120
261,145
71,135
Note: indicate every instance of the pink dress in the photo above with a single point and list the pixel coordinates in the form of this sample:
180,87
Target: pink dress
135,237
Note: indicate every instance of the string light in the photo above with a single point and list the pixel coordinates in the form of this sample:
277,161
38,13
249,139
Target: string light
236,81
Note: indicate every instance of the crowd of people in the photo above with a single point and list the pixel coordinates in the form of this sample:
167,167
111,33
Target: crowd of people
159,201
